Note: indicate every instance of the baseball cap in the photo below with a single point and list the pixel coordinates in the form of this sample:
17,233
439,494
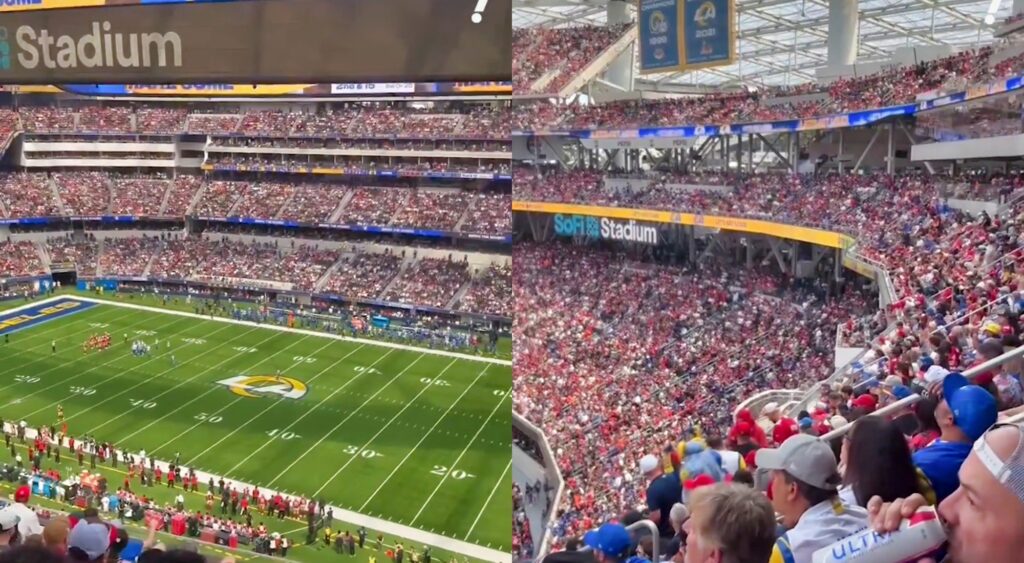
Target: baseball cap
867,401
22,494
935,373
770,408
974,409
648,463
805,458
806,422
901,392
838,421
610,539
9,519
92,539
784,429
892,381
743,428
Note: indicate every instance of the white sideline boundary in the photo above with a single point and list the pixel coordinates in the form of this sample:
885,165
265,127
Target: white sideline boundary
366,341
374,523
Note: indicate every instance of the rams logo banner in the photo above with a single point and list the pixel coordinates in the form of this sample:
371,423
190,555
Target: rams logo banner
682,35
265,385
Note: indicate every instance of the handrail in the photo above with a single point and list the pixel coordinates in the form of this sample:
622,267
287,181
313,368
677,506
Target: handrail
913,399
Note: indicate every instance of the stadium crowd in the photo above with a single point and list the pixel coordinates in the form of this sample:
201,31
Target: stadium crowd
557,54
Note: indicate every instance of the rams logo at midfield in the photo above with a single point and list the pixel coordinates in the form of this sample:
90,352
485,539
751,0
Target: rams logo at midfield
263,385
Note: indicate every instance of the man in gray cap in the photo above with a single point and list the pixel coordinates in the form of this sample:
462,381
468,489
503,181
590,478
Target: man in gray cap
88,541
804,491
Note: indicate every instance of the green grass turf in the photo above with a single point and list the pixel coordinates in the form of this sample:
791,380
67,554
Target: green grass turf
391,443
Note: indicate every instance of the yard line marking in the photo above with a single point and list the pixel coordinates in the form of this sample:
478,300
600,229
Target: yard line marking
72,378
240,398
126,371
172,368
483,509
424,437
458,459
353,457
305,414
207,392
55,327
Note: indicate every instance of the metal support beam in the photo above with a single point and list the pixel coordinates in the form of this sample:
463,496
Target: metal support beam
871,143
890,153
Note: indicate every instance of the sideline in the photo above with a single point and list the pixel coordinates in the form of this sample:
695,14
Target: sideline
400,530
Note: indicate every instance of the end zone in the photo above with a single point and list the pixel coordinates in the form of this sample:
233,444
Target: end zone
35,314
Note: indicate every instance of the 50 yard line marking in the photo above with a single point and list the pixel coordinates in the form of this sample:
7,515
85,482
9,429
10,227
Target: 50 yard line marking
189,380
333,393
363,447
458,459
111,378
231,403
423,438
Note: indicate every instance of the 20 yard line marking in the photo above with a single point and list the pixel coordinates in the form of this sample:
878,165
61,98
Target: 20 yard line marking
205,393
423,438
296,421
488,501
351,459
74,377
458,459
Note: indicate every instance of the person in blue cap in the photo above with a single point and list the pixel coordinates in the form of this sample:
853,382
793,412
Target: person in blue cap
610,542
964,413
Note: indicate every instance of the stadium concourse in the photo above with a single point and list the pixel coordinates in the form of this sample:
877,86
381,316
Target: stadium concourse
246,291
736,343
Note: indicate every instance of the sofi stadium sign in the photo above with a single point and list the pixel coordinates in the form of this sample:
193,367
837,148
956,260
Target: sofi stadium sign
604,228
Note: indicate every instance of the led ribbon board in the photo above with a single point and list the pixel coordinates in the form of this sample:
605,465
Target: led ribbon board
260,41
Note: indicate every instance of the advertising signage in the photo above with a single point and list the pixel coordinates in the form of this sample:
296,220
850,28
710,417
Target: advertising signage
259,41
604,228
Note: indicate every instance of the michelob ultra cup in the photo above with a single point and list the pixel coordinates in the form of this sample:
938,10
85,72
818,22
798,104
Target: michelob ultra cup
919,536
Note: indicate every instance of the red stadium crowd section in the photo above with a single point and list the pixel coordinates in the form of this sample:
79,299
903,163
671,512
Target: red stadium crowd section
479,121
97,193
618,345
431,282
559,54
893,86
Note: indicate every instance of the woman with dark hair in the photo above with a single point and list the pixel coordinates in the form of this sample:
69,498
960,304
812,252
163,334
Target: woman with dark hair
927,427
877,462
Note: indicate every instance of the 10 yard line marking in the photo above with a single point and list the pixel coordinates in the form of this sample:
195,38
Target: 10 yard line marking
53,327
205,393
72,378
488,501
423,438
458,459
333,393
363,447
111,378
294,422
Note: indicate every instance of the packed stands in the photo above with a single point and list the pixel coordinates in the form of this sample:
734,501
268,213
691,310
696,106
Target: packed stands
489,292
138,196
81,253
431,282
363,276
20,259
562,52
128,256
28,194
84,193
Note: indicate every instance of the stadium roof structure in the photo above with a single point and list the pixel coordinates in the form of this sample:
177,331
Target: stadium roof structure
781,42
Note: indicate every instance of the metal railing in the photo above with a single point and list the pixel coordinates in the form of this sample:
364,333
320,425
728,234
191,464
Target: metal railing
913,399
553,473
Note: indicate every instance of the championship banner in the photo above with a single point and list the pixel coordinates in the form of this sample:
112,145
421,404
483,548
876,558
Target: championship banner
682,35
660,40
709,32
258,42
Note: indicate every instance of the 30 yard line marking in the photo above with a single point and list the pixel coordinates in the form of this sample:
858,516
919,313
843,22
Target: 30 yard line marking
333,393
458,459
501,479
423,438
80,374
374,437
205,393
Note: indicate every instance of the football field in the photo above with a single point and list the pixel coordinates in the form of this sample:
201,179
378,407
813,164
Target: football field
412,437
